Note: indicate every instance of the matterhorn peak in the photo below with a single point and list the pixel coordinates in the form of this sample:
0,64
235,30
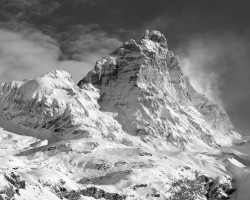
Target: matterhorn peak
152,41
156,36
145,79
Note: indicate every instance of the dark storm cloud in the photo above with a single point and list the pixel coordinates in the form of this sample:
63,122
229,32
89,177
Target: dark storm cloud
86,39
211,36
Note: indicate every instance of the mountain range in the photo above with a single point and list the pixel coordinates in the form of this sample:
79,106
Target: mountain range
132,128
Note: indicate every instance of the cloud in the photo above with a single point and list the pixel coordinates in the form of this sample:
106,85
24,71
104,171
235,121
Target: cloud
198,63
160,23
89,2
17,8
38,36
88,41
209,59
86,44
28,53
40,11
218,66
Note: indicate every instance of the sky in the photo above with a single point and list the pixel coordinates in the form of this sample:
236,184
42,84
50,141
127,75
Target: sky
211,38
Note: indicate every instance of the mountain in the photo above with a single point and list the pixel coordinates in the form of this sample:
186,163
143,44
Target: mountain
55,106
144,83
133,128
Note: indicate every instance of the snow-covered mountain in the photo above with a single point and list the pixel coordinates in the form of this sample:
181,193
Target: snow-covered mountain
133,128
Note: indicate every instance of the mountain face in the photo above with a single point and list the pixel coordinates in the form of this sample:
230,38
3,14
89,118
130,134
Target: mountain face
133,128
143,82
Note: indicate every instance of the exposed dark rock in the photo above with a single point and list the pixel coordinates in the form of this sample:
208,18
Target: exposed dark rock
15,180
139,186
202,186
16,183
90,192
99,193
145,154
156,195
131,46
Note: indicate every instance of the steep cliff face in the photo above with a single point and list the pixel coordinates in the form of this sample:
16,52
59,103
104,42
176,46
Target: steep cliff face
133,128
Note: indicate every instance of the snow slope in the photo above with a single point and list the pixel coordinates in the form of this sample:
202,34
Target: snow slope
133,128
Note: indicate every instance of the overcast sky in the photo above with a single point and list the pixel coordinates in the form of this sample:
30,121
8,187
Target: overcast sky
212,38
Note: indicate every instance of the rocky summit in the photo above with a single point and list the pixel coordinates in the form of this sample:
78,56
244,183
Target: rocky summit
133,128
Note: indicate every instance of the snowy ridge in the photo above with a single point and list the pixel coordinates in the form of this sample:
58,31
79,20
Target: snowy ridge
53,102
133,128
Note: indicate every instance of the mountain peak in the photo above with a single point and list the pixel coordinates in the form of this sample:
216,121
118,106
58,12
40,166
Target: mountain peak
145,77
156,36
58,74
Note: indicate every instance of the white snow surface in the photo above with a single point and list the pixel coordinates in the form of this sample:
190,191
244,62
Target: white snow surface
133,128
